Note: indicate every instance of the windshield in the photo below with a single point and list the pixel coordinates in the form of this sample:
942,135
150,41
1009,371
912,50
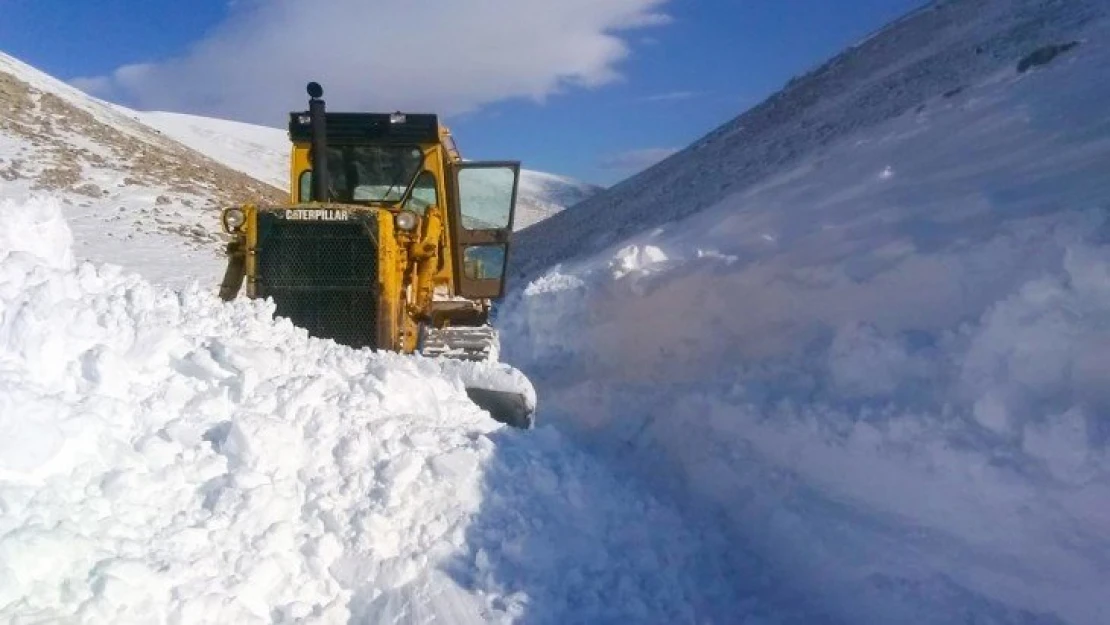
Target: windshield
372,173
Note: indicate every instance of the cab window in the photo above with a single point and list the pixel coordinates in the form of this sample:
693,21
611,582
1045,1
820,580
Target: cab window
423,193
304,186
486,197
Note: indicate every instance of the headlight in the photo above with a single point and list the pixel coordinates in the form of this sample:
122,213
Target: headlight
405,220
233,218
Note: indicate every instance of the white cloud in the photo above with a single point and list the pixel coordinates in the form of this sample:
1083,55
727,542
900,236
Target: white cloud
446,56
96,85
635,160
671,96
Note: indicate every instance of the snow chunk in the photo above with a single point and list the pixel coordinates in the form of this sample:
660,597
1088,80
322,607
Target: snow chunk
30,432
38,229
635,258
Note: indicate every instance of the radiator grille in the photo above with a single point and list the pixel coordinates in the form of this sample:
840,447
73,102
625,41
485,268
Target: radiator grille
323,276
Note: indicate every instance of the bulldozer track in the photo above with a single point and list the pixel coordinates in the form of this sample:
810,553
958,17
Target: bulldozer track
462,342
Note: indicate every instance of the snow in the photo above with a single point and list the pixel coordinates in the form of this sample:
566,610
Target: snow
128,226
883,363
929,54
107,207
131,218
541,195
99,109
165,457
258,151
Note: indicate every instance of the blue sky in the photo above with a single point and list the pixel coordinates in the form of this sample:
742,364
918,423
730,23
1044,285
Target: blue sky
593,89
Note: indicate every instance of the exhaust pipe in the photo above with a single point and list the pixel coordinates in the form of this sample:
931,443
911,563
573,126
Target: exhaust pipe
319,143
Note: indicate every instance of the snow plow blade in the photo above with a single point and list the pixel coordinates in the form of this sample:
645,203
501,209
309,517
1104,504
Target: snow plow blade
507,407
496,387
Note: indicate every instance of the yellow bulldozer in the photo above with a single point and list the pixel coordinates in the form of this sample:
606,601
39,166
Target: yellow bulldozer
391,241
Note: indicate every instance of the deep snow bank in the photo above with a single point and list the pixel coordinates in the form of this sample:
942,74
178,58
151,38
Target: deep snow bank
887,365
165,457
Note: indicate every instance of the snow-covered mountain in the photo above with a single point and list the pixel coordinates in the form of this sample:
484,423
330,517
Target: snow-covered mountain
937,50
542,195
122,182
260,151
866,322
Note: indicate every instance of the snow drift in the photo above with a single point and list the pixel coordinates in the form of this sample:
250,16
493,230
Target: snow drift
886,364
165,457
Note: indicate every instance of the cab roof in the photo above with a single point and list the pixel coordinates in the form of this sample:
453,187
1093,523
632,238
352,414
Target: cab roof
387,128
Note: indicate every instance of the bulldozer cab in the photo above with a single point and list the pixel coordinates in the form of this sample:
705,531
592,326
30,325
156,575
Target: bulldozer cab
409,162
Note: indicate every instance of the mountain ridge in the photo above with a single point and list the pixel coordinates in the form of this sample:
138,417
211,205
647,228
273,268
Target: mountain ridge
886,74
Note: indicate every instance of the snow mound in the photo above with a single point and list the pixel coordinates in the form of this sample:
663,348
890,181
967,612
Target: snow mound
166,457
164,454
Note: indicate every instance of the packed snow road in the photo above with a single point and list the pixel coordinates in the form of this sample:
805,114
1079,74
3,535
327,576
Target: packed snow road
165,458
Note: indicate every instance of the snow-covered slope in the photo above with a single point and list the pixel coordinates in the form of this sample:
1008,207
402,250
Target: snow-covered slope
873,334
542,195
938,49
258,151
123,183
263,152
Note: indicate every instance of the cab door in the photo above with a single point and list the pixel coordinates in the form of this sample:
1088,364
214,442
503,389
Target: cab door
482,205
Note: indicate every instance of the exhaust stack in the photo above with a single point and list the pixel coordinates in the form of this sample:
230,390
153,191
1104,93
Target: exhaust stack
319,143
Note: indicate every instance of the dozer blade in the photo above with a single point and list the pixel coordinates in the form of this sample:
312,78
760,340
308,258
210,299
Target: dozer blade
508,407
500,389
